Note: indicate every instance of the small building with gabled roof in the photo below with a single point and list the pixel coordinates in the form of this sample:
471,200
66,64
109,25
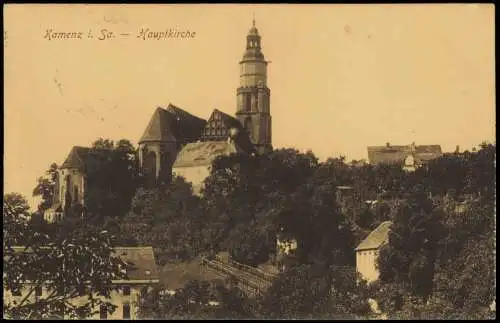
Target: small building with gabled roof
368,250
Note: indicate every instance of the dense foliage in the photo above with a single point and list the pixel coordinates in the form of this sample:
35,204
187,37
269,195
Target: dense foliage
438,262
64,266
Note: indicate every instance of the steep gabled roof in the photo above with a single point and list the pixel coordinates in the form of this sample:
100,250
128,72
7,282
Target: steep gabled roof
397,154
81,157
190,126
376,238
172,124
162,127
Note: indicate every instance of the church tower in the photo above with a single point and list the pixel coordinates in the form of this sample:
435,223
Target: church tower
253,107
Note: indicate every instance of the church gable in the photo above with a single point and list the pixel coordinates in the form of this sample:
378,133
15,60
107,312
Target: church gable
218,126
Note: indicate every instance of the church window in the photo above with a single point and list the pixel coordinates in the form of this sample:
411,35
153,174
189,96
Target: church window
75,193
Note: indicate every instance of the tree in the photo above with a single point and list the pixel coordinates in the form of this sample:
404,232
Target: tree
312,216
197,300
168,218
315,292
66,266
16,206
248,192
46,188
410,254
113,180
15,217
249,246
102,143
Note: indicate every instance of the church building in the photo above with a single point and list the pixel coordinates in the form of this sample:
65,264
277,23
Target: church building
178,142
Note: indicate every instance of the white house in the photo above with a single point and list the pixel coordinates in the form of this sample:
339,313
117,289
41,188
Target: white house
368,250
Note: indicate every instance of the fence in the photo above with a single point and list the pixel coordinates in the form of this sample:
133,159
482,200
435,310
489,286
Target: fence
250,280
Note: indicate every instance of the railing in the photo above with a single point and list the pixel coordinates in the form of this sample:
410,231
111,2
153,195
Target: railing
255,271
246,281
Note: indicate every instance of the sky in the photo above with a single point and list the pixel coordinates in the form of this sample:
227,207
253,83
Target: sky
342,77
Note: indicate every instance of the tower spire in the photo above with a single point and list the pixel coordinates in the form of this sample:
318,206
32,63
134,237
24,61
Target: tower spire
253,19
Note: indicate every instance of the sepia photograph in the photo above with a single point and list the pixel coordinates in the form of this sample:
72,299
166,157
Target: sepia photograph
249,161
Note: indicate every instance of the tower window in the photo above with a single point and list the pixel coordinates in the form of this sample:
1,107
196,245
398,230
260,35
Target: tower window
248,102
248,126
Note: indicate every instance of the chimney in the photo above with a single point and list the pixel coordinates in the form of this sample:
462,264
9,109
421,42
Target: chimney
387,144
457,149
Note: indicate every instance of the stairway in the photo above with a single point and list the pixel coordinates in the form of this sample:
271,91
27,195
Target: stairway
250,280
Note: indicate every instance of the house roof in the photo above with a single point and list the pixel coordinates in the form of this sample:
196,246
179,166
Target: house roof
80,157
171,125
202,153
376,238
140,262
397,154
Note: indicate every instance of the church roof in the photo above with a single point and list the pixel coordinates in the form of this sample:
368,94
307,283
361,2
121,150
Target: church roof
376,238
171,125
80,157
389,154
190,125
202,153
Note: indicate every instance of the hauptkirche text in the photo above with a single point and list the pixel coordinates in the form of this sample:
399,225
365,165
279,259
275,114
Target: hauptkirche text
106,34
